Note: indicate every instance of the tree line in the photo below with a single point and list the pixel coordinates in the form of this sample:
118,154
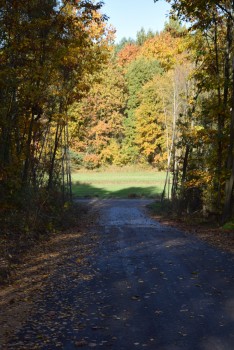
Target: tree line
166,99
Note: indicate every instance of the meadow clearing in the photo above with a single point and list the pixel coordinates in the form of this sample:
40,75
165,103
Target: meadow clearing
118,183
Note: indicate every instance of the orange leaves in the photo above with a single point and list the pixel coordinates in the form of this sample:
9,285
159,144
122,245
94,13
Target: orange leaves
127,54
92,160
163,47
100,119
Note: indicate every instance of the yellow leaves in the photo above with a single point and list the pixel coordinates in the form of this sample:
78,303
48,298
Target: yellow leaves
198,128
148,150
67,205
198,178
201,134
96,28
160,158
164,48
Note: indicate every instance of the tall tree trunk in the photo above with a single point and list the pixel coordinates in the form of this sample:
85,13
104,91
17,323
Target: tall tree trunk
68,159
220,117
227,209
227,64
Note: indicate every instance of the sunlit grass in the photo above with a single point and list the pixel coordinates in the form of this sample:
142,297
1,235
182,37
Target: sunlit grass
118,183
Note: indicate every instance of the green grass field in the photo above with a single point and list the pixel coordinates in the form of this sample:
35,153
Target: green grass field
118,183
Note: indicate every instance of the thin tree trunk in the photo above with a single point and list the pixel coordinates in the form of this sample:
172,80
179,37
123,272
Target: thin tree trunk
68,165
172,145
168,154
185,164
52,164
28,155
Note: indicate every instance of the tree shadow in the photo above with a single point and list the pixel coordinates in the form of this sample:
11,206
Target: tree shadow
85,190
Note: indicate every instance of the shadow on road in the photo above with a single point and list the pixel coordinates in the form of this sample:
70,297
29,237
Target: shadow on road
134,284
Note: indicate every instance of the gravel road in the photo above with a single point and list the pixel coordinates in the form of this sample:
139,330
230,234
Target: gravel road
142,286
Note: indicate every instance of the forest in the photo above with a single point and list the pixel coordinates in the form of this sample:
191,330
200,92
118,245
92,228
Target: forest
70,95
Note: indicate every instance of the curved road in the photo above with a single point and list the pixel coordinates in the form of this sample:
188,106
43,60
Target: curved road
144,286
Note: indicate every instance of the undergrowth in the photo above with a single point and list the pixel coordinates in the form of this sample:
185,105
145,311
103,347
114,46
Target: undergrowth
169,210
24,227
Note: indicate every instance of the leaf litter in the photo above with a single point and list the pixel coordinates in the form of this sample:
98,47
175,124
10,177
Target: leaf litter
33,279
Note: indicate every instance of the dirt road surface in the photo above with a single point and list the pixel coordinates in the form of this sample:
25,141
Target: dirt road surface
141,286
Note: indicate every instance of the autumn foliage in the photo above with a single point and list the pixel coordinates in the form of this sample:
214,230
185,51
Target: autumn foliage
48,52
166,100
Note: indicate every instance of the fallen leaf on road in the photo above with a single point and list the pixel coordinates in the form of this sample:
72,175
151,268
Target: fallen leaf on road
183,334
80,343
92,345
158,312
